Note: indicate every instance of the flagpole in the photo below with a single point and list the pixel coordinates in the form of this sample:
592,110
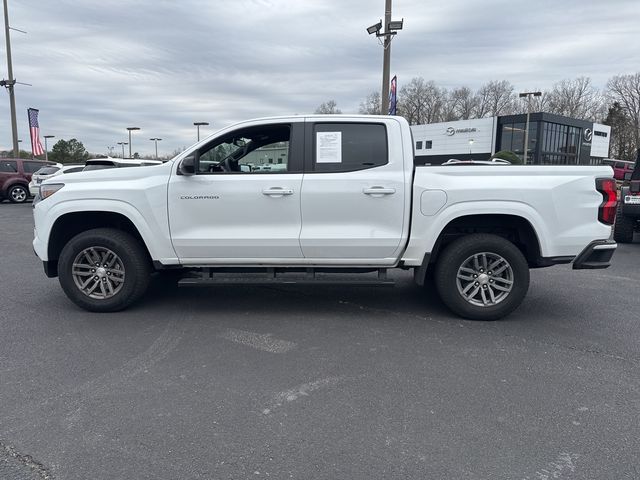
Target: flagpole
10,83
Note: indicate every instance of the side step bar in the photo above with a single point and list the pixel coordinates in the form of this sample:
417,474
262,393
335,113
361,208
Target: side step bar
214,276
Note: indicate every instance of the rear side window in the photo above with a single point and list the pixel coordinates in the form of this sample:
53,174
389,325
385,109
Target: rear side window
98,166
7,166
347,147
47,170
73,170
32,167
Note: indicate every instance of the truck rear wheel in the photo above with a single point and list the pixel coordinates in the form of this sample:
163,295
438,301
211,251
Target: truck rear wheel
103,270
482,277
623,229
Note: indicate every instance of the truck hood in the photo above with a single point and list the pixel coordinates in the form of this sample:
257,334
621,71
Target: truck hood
118,174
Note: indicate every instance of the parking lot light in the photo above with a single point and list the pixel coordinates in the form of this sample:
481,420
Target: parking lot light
198,125
130,130
46,149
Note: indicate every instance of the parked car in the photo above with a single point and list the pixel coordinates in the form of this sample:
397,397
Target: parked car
628,213
48,172
620,167
15,175
103,163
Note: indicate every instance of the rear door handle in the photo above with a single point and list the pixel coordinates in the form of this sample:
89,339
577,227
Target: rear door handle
277,191
378,190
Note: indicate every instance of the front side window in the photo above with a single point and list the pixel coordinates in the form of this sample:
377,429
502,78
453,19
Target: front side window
418,145
263,149
347,147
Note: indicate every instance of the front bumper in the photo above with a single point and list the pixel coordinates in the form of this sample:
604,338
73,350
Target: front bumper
596,255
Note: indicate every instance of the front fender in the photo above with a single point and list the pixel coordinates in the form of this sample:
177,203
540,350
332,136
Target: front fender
155,237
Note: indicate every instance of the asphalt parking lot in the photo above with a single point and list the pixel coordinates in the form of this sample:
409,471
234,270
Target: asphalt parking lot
318,382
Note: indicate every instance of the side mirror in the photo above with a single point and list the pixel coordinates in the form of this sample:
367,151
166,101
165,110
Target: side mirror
187,165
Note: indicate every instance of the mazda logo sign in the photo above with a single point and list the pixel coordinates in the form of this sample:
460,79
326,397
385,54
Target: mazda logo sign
588,134
451,131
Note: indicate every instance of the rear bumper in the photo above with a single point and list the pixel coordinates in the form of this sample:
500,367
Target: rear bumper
596,255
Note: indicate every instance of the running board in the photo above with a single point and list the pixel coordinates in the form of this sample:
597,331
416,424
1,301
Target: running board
212,276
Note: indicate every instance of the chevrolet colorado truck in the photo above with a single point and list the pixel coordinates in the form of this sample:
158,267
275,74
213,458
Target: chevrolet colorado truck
323,198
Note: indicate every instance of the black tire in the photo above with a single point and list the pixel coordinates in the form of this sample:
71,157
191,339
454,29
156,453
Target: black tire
18,194
624,226
132,258
451,288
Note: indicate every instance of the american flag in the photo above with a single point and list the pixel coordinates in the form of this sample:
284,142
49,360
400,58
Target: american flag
34,130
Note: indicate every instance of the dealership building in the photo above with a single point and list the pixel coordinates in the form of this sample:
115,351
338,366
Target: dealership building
553,140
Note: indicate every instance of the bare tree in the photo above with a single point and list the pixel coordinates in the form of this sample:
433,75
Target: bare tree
464,103
328,108
421,102
495,98
625,89
622,142
371,105
575,98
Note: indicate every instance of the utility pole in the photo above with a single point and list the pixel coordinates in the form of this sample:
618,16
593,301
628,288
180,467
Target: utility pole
10,83
390,29
386,62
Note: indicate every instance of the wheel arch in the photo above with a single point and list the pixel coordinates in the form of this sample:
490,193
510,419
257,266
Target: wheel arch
514,228
68,225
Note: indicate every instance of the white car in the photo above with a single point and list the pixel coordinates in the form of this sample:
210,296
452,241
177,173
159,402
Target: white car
48,172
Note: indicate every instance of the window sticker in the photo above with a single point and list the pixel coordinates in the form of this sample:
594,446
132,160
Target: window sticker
328,147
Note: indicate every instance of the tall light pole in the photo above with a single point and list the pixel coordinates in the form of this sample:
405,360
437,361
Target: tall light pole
198,125
10,83
390,29
528,95
46,148
130,130
123,144
156,140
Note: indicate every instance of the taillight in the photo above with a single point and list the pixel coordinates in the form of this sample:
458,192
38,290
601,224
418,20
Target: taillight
607,209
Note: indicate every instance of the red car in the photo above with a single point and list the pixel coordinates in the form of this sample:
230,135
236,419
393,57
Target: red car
620,167
15,175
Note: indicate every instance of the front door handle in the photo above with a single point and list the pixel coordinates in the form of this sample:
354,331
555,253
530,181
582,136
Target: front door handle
378,190
277,191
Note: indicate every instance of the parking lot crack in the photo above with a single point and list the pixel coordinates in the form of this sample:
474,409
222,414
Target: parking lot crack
26,461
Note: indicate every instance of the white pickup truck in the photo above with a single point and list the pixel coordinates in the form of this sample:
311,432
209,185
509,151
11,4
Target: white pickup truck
322,199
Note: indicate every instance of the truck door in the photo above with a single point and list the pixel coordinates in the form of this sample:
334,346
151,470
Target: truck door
243,202
353,192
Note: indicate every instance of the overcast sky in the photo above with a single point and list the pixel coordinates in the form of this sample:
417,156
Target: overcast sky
98,66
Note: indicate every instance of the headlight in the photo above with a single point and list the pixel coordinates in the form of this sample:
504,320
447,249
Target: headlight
48,189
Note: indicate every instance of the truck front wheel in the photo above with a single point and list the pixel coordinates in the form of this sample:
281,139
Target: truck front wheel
482,277
103,270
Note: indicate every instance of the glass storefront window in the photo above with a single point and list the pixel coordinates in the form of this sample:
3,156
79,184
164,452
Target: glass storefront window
560,144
